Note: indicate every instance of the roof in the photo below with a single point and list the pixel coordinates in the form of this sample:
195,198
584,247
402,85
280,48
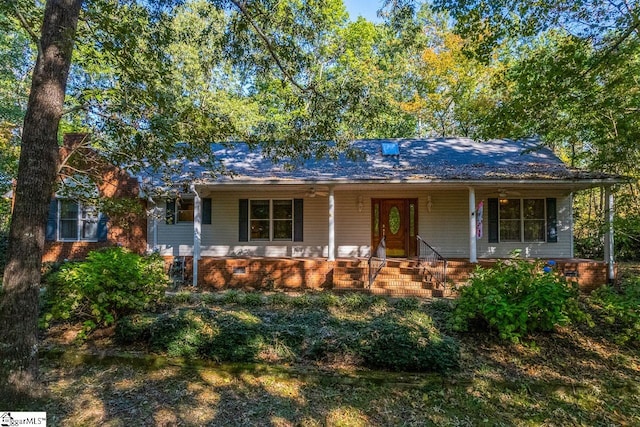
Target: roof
419,160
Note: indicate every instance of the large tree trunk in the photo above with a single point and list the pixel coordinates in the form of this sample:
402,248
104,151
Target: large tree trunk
39,161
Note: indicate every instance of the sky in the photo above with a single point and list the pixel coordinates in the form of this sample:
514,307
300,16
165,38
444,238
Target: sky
366,8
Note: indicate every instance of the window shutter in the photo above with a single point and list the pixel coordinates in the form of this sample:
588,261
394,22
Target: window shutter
552,221
206,210
52,221
102,227
298,220
493,220
243,220
170,212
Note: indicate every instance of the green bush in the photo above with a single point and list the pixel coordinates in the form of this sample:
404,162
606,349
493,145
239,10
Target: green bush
110,283
515,298
620,309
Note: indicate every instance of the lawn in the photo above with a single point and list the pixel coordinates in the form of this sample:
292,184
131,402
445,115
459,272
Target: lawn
574,376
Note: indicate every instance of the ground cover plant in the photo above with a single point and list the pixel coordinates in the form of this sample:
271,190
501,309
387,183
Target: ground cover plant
618,311
571,376
243,327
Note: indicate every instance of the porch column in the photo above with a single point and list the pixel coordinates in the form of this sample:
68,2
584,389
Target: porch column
197,232
473,254
608,240
332,225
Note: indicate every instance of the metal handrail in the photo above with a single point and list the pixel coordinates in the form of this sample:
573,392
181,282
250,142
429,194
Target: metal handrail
430,257
377,260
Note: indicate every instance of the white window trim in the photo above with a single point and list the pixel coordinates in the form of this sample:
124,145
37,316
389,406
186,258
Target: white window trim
78,238
522,219
271,221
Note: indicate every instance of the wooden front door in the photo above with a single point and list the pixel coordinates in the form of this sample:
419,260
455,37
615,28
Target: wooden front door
397,220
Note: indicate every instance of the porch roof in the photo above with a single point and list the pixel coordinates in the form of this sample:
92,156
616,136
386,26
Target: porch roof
432,160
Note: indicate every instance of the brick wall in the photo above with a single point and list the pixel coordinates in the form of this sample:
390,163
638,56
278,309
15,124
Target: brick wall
266,273
126,229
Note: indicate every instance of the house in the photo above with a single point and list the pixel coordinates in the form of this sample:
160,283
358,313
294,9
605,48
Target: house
400,217
76,224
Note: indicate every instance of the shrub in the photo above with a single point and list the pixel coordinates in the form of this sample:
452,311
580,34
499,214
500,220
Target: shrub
620,309
514,298
110,283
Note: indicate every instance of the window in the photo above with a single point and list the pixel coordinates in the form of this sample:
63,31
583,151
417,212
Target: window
271,219
185,210
522,220
77,221
181,210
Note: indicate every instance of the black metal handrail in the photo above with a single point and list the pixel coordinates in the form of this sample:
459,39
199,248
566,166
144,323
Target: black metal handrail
377,260
431,259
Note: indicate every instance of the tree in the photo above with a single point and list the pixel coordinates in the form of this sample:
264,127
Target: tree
449,87
136,83
36,174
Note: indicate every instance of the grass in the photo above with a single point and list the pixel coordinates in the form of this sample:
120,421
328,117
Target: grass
574,376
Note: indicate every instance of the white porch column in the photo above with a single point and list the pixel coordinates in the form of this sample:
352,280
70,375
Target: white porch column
332,225
473,254
197,233
608,241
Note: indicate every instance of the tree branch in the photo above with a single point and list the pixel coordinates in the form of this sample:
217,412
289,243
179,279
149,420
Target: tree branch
27,28
243,9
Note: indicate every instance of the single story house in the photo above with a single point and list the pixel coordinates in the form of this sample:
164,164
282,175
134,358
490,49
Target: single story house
403,216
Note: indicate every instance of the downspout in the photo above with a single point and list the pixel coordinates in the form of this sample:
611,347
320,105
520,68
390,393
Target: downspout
197,232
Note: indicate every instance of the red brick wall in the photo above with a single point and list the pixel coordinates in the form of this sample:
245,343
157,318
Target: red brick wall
128,230
265,273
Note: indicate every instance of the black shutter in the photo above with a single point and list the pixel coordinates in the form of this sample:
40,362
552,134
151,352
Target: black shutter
170,212
493,220
102,227
52,221
298,220
243,220
206,210
552,221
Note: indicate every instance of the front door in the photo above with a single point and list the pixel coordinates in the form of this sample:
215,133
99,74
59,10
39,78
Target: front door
396,220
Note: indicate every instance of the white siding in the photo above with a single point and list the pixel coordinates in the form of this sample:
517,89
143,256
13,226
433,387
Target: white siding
445,227
561,249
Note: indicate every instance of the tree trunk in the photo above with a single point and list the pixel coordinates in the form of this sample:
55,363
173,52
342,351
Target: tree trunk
37,171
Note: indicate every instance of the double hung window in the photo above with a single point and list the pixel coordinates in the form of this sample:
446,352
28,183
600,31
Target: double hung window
77,221
271,219
522,220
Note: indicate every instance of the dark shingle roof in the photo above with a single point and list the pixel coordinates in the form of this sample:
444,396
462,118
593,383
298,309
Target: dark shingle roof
433,159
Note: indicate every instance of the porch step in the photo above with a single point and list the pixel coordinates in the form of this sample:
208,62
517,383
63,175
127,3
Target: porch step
398,276
401,292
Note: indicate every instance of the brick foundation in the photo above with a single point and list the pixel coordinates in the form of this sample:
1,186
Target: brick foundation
298,274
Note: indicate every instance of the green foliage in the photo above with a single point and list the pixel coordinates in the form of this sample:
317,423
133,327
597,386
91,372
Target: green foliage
515,298
620,311
409,343
111,283
388,339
